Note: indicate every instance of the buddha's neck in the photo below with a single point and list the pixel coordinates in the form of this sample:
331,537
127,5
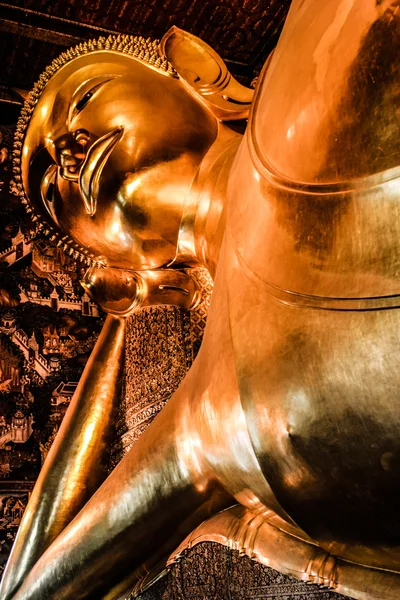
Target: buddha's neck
203,222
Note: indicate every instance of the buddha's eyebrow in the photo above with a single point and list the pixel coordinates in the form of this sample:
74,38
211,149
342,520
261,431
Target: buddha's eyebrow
76,106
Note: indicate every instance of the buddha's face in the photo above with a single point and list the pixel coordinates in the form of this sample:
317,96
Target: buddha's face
110,153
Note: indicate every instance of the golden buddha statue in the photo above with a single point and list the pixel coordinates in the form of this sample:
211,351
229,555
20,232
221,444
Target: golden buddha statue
290,409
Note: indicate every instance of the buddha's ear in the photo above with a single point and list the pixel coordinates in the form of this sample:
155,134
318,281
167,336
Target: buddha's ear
205,73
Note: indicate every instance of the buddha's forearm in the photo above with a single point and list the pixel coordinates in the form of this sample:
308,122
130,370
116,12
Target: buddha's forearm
156,495
77,462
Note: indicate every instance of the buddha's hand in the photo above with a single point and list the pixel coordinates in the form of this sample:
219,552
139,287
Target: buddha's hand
121,292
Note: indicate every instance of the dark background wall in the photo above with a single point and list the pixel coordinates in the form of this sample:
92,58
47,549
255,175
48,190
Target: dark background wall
33,32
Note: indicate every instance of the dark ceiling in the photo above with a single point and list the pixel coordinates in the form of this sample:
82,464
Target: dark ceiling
33,32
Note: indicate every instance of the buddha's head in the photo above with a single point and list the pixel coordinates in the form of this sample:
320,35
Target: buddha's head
110,143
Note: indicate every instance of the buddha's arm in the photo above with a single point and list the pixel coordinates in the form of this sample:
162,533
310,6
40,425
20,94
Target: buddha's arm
156,495
77,463
164,487
78,460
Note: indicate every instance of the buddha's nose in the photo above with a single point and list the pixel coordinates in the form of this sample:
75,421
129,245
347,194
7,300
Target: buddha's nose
71,149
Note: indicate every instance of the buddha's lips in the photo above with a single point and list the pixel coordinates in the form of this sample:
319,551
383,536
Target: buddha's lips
92,168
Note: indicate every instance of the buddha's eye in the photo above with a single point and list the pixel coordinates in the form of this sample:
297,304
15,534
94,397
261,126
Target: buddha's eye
80,105
83,101
50,193
48,190
82,98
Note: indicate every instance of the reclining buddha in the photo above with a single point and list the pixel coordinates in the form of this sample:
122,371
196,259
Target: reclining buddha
129,153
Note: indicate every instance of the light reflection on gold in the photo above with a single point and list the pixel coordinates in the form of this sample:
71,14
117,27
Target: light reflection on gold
133,184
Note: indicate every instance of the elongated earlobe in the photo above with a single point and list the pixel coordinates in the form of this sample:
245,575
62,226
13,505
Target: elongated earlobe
206,75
